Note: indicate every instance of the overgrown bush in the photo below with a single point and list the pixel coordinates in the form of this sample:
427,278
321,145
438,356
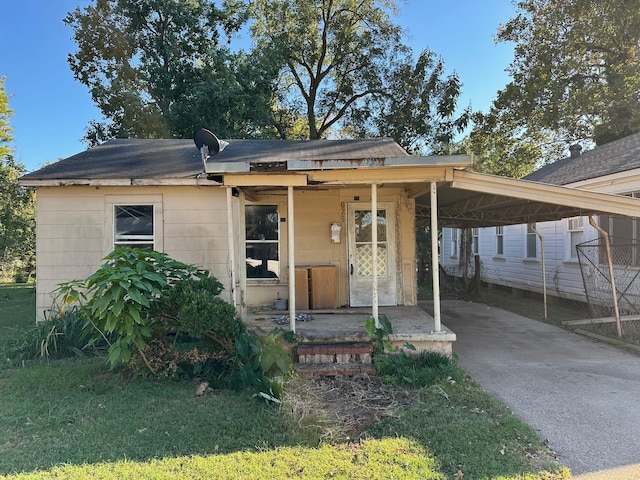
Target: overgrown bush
119,296
165,317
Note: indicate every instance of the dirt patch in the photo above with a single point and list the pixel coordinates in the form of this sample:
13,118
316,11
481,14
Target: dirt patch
340,408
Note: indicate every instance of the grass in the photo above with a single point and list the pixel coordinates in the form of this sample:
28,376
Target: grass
17,308
76,419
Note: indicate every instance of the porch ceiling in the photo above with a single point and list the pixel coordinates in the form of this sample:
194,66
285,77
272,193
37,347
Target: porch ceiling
479,200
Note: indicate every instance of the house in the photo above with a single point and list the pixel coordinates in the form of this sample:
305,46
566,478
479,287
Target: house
511,255
274,219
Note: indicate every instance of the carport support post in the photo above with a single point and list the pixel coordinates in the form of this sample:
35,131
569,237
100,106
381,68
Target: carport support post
292,260
232,247
435,262
374,253
544,270
614,291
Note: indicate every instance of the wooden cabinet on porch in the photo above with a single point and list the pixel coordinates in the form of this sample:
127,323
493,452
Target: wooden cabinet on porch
316,287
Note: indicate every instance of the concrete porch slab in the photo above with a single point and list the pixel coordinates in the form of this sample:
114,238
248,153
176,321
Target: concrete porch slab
347,325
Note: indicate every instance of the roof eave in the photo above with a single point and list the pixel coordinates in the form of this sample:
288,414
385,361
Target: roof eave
455,161
116,182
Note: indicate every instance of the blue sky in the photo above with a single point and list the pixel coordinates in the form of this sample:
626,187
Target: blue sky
51,109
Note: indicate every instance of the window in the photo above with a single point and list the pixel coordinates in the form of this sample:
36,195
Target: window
455,242
575,229
531,243
133,226
500,240
624,233
262,224
475,244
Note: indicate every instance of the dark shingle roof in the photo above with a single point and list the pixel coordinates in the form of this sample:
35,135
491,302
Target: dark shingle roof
168,158
614,157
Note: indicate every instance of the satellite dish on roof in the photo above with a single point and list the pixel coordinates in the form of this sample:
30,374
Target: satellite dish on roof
208,144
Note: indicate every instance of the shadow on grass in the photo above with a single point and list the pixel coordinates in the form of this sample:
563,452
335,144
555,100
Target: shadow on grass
76,412
470,432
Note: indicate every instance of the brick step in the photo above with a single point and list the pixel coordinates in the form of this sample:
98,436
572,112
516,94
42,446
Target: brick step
340,353
335,369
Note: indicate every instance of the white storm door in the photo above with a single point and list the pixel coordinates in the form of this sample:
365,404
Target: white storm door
360,272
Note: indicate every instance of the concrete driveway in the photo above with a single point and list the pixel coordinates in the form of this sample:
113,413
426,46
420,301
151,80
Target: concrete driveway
582,396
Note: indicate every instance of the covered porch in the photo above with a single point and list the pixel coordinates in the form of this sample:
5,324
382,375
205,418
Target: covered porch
411,324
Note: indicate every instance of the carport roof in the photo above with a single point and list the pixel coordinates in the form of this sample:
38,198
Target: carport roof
465,199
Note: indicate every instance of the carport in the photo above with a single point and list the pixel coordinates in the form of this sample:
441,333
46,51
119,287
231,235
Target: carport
466,199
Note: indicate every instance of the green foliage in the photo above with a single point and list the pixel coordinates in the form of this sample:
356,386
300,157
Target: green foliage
344,69
575,70
17,207
193,307
6,132
423,370
120,295
158,69
501,145
60,336
261,364
380,335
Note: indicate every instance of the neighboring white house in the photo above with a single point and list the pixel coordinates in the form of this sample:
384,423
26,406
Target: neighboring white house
511,255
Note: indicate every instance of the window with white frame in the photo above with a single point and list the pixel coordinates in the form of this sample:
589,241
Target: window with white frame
624,234
262,230
133,226
475,244
455,242
575,234
531,243
500,240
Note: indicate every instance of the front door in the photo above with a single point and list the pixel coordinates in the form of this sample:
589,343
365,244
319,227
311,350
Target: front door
360,223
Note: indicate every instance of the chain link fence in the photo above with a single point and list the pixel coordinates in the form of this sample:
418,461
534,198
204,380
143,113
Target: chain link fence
594,266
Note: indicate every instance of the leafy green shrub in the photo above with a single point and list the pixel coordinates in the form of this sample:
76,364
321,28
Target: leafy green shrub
193,307
120,294
380,335
421,370
139,299
261,363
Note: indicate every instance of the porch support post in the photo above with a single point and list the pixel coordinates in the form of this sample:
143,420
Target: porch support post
242,255
232,247
292,260
435,263
374,253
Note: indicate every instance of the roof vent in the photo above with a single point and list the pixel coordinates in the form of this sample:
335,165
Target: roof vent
575,150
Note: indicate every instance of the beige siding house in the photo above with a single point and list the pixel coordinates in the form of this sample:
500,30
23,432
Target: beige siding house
275,220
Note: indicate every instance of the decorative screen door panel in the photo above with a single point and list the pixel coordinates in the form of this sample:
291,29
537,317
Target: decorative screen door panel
361,247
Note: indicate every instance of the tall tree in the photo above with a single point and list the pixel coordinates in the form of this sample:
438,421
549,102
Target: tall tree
155,68
501,146
5,126
576,69
17,205
346,71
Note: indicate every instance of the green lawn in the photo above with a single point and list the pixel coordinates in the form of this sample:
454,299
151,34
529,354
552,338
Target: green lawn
75,419
17,312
